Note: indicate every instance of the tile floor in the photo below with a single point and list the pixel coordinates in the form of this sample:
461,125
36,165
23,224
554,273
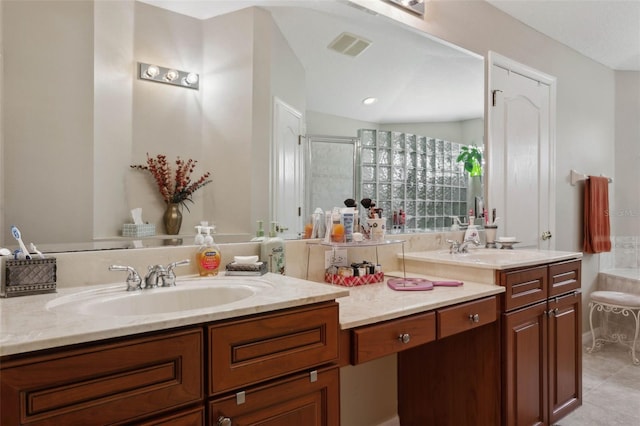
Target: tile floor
610,389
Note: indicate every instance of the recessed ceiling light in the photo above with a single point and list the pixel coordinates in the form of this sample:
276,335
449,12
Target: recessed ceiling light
369,101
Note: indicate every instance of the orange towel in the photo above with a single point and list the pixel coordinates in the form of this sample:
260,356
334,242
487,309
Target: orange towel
596,215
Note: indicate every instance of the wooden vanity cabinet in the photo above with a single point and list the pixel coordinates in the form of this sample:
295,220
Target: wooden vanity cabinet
276,368
541,343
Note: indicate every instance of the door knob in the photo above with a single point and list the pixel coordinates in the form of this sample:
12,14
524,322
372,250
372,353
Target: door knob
224,421
546,235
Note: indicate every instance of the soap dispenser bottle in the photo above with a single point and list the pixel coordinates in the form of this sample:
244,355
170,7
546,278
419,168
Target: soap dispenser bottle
208,257
272,251
259,233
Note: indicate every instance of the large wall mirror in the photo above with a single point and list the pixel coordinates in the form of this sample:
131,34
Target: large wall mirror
75,116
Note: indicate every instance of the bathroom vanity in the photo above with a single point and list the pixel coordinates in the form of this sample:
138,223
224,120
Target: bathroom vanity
539,339
273,357
466,355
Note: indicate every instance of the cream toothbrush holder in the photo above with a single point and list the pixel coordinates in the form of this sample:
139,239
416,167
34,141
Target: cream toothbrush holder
490,232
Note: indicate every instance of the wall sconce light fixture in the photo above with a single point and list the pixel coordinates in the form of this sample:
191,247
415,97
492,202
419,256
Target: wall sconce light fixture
413,6
172,76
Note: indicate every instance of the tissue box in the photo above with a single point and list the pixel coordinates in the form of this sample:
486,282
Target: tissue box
133,230
24,277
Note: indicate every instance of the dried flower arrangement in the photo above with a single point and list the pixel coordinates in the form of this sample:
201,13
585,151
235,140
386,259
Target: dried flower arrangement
176,189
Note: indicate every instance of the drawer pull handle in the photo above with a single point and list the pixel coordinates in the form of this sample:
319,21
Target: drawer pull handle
224,421
404,338
474,318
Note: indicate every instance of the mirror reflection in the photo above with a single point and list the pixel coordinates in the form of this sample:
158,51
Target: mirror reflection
76,116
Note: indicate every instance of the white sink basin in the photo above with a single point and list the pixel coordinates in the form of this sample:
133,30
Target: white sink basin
186,296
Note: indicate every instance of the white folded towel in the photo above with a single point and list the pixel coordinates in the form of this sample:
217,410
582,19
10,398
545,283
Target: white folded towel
245,260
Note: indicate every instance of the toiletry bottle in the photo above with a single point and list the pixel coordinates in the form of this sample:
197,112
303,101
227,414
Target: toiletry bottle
259,233
199,239
272,251
208,257
337,228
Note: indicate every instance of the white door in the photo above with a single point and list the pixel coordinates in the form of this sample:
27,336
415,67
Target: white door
287,167
521,151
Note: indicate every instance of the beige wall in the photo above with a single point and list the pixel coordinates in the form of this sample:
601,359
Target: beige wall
626,215
48,167
78,116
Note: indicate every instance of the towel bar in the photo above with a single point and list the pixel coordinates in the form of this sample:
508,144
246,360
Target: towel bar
577,177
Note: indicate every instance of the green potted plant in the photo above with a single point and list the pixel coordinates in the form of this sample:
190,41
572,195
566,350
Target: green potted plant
471,156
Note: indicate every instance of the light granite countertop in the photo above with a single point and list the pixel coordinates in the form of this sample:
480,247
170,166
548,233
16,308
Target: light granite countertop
372,303
28,323
494,259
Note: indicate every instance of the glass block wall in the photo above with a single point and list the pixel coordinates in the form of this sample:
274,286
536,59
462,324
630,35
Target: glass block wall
417,174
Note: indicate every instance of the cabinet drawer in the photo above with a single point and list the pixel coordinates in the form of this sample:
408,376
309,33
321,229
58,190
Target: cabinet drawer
248,351
106,383
564,277
387,338
296,400
466,316
524,286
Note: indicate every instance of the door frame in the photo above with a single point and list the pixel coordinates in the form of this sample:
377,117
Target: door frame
510,65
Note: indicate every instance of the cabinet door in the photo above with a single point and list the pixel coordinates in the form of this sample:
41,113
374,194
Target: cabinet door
565,355
525,366
297,400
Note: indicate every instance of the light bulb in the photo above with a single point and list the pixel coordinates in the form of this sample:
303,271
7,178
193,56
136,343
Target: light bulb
152,71
191,78
171,75
369,101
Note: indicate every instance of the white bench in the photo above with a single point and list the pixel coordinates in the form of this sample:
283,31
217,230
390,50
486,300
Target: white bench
619,303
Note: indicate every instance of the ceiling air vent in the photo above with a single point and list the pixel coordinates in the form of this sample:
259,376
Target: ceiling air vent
349,44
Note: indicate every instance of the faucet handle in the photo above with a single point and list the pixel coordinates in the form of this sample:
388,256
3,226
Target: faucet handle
134,282
454,244
170,278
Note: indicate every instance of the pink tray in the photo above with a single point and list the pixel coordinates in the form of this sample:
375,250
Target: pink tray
417,284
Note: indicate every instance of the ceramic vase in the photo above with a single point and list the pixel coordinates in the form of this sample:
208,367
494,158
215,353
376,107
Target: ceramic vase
172,219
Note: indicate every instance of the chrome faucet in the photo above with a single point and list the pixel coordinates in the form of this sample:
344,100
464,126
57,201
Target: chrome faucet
157,276
462,247
454,245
